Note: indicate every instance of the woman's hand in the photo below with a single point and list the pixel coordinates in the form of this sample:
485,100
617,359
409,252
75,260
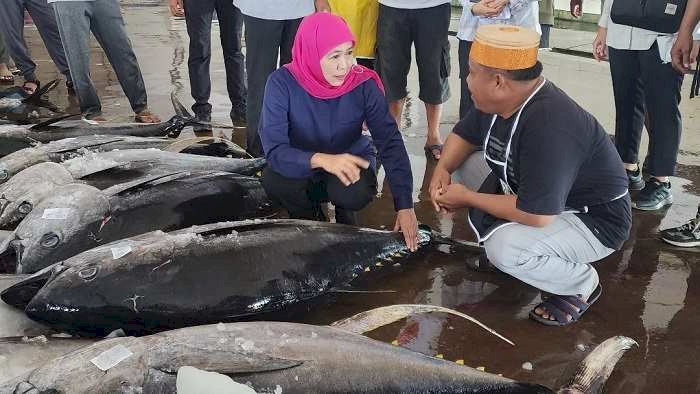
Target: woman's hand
345,166
600,47
407,223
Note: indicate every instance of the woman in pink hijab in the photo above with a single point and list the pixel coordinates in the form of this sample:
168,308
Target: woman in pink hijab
311,130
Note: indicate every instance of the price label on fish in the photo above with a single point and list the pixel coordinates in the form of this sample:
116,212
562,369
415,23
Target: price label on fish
120,251
55,213
111,358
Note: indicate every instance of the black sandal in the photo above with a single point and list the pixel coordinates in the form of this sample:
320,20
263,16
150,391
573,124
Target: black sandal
561,307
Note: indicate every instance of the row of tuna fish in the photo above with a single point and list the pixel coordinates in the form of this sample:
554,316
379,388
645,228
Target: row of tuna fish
114,229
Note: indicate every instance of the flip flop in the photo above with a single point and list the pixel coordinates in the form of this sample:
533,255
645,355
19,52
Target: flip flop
7,79
430,148
561,306
146,116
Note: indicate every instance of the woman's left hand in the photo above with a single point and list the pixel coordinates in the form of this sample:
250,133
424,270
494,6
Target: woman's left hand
407,223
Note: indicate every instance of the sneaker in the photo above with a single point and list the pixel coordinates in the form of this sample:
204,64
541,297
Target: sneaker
687,235
655,195
238,115
203,122
636,182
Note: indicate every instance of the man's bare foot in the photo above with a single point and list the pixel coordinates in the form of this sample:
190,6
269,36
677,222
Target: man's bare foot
146,116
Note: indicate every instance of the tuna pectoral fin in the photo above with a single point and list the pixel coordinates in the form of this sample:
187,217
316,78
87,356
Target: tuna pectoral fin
372,319
467,246
596,368
43,125
123,187
169,357
180,110
181,145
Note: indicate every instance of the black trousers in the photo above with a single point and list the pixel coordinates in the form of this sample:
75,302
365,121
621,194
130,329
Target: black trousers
642,83
198,16
267,41
465,98
302,198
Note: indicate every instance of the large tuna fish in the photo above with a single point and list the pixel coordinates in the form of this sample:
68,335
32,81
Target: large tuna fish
69,148
204,274
28,188
14,138
274,357
79,217
18,106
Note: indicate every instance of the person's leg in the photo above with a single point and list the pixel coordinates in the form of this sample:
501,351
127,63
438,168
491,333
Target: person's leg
198,16
544,38
12,22
73,18
350,199
555,258
292,194
263,38
394,56
465,99
290,31
108,28
231,28
366,62
473,172
430,34
45,20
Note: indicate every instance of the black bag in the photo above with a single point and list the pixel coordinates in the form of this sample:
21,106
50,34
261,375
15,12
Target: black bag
663,16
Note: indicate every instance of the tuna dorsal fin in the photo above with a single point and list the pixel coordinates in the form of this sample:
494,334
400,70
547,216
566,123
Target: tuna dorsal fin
372,319
123,187
181,145
43,125
596,368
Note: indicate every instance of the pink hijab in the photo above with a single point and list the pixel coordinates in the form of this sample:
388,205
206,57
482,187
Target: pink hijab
318,34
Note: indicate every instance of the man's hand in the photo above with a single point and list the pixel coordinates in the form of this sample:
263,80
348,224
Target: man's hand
600,47
322,6
438,185
176,8
345,166
682,51
453,197
484,10
576,8
407,223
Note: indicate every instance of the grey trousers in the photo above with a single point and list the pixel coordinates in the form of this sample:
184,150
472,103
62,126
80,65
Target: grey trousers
556,258
198,15
12,22
103,17
267,41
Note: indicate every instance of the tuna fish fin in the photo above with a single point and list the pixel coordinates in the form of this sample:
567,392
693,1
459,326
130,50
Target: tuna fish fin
468,246
124,187
596,368
372,319
81,167
43,125
180,110
181,145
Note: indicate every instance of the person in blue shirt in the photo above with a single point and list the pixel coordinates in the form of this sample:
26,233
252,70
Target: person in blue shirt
311,131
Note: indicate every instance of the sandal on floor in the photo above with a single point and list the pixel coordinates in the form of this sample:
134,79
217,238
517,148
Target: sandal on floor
561,306
31,91
430,150
146,116
7,79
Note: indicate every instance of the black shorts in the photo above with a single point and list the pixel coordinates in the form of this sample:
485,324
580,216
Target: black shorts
427,29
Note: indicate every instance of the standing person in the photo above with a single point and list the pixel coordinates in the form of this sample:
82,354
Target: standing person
198,17
515,12
546,21
644,82
423,23
311,130
12,22
270,26
556,199
76,19
361,16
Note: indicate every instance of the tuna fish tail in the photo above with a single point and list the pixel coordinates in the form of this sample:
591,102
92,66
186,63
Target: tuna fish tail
372,319
596,368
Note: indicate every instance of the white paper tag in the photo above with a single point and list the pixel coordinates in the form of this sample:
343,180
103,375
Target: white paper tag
55,213
120,251
111,358
671,9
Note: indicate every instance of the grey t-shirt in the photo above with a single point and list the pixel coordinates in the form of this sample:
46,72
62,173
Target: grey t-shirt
413,4
276,9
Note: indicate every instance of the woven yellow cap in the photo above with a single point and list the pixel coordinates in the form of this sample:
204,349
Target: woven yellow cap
505,47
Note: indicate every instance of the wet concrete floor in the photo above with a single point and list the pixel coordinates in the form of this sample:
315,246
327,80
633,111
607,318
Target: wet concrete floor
651,290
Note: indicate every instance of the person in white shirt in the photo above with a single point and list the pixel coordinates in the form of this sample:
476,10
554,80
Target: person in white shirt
524,13
270,27
644,83
423,24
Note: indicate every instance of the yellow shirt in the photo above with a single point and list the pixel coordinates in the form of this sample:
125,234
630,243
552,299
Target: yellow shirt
361,16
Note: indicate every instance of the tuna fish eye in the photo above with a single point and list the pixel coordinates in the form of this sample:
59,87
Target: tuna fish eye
50,240
25,207
88,274
4,175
